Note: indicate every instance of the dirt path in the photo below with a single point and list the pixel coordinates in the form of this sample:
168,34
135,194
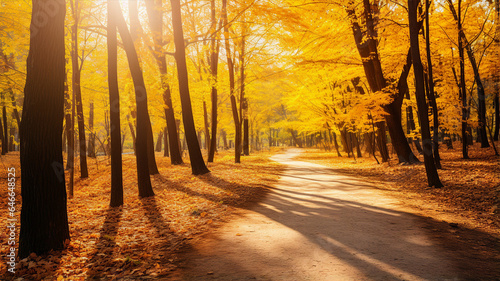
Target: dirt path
315,225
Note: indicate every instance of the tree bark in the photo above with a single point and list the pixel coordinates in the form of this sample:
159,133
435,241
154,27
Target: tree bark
5,142
496,99
114,109
91,146
367,48
214,62
198,166
44,218
143,123
84,173
159,142
430,168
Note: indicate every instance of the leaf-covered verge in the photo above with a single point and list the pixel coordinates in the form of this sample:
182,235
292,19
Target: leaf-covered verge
138,240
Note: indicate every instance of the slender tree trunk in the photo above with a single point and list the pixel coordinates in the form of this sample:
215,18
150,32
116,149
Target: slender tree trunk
154,11
143,124
197,164
430,168
77,89
5,142
159,142
214,62
496,99
91,146
480,88
44,218
207,132
431,93
463,92
132,132
165,143
114,109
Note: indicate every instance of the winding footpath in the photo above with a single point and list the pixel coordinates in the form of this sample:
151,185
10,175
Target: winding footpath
318,225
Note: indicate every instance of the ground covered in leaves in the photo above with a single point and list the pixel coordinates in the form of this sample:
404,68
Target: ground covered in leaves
138,240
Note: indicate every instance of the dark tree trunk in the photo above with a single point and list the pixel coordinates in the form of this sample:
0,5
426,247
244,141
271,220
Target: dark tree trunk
496,99
67,119
165,143
214,62
480,88
463,91
114,108
153,168
197,164
2,137
154,11
44,218
430,168
14,107
5,142
205,121
373,70
84,173
91,147
12,146
243,99
336,144
143,123
132,132
430,90
159,142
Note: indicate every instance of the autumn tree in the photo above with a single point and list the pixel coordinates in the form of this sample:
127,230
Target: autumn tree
114,109
197,163
44,218
155,15
143,179
430,168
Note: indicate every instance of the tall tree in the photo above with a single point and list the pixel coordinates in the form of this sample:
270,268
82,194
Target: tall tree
114,109
496,99
430,89
243,99
367,48
5,142
91,146
197,164
155,15
430,168
463,91
77,91
481,97
214,62
44,217
143,179
135,30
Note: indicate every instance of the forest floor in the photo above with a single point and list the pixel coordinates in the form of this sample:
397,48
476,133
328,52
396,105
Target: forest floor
140,239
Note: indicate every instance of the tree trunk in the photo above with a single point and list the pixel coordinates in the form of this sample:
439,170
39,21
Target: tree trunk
143,124
153,168
480,88
430,168
159,142
430,90
207,133
197,164
91,146
154,11
496,99
77,89
132,132
214,62
165,143
44,218
5,142
114,109
373,70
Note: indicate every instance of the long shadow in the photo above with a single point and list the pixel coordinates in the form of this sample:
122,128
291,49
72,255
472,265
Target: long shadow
380,243
102,258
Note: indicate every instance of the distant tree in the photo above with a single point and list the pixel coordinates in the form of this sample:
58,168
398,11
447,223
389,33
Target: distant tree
197,164
44,218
